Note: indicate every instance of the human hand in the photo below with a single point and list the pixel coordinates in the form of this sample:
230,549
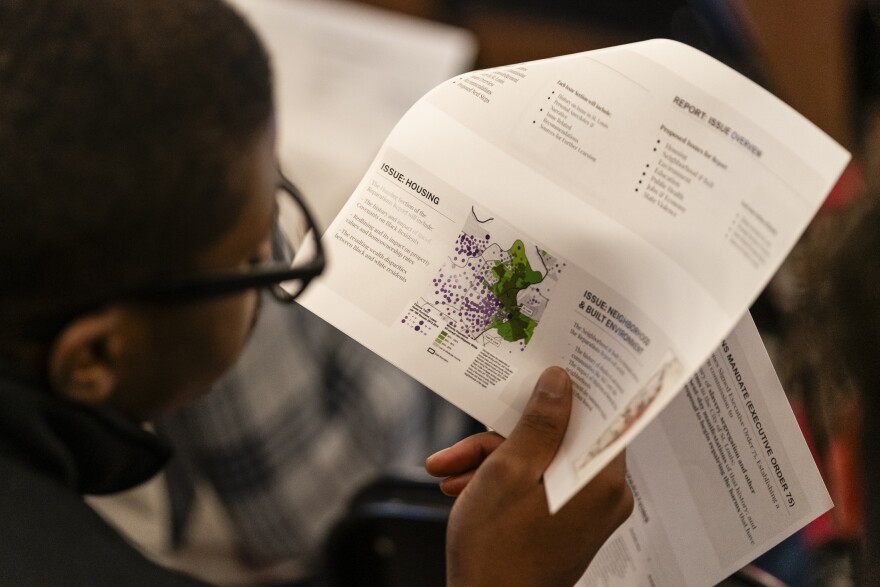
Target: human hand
500,530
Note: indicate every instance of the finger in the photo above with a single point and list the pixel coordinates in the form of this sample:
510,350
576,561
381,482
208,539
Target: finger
463,456
609,487
616,469
538,434
601,507
454,485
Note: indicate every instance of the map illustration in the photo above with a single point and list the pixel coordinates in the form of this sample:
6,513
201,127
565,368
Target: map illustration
494,286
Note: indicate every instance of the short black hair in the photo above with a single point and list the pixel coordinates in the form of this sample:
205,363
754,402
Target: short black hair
121,126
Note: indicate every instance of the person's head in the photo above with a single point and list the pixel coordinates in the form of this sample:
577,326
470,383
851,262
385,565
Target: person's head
136,146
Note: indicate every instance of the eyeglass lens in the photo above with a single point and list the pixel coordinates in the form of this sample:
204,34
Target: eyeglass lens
293,242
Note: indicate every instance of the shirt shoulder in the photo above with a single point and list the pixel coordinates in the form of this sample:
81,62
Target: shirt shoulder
52,537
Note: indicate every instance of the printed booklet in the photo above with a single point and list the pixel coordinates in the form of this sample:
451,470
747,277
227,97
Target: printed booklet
614,212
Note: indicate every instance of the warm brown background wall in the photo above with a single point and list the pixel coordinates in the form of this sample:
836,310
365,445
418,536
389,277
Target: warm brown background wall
802,48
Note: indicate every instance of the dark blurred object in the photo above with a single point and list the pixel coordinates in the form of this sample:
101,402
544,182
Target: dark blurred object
394,535
752,576
866,71
713,26
515,31
646,16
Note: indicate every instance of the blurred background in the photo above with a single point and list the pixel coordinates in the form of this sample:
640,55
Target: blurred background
806,52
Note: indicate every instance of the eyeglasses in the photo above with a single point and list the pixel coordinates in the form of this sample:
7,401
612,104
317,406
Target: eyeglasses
297,258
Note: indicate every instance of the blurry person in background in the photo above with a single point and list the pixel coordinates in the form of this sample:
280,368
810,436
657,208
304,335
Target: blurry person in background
829,361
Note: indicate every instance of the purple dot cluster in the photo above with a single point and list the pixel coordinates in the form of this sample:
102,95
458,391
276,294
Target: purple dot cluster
471,302
469,245
414,323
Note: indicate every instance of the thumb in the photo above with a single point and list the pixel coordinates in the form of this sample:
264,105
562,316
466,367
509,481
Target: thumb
538,434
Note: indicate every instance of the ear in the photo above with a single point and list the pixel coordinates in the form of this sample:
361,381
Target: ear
82,362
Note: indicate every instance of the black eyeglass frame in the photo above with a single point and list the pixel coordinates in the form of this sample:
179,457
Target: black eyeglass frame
268,275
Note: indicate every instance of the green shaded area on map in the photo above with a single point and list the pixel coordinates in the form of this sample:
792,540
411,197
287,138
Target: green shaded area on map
513,276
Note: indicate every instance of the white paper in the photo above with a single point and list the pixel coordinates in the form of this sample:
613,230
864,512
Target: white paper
344,74
614,212
722,475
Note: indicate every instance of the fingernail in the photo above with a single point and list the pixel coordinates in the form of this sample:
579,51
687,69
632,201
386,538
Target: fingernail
553,383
